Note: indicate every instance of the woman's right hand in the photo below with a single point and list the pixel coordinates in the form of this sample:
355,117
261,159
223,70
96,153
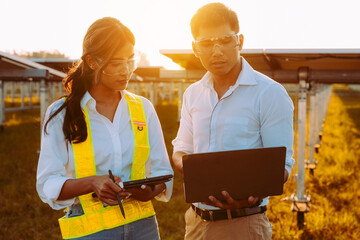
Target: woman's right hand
106,189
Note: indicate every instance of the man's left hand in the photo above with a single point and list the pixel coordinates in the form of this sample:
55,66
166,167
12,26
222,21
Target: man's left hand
286,175
231,203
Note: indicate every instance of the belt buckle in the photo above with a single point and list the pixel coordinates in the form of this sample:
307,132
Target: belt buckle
211,215
228,212
248,211
201,215
240,212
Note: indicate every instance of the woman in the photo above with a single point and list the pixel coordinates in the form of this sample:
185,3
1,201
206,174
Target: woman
99,127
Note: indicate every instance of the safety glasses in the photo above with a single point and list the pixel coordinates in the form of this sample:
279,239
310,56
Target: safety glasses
206,45
119,67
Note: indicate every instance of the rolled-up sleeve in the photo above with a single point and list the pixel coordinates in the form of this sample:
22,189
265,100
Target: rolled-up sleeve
184,139
51,173
158,162
276,111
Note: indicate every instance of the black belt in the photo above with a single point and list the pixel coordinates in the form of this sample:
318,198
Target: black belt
214,215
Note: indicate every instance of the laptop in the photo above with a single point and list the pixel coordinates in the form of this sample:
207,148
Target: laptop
242,173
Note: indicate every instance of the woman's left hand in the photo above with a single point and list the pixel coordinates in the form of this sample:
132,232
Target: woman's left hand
146,193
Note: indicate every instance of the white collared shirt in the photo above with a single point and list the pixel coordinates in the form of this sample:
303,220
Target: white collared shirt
113,144
255,112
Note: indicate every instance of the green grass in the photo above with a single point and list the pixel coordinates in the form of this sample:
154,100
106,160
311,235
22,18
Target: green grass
334,188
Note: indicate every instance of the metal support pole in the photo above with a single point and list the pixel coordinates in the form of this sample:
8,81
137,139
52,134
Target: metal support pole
61,89
22,88
30,93
180,95
300,201
328,92
53,91
322,110
317,110
301,140
321,106
151,92
43,102
38,91
2,106
155,93
5,86
138,88
13,89
311,163
172,92
317,117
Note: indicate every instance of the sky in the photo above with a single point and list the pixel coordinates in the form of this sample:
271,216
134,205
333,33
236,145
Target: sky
34,25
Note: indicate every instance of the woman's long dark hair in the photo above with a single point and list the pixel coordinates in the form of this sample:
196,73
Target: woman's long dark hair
103,38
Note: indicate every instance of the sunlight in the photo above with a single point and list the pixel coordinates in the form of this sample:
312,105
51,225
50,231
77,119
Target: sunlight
164,24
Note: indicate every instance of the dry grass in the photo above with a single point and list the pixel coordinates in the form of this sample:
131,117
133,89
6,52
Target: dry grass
23,215
334,189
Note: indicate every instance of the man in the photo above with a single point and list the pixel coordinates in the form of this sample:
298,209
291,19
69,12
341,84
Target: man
231,107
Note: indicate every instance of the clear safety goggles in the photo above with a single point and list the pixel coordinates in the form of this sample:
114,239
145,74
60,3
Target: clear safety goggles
119,67
206,46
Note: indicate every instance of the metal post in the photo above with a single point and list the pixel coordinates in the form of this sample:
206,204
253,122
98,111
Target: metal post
311,163
138,88
155,93
30,93
328,90
38,91
61,89
151,92
301,139
22,89
180,94
5,89
172,90
43,102
53,91
322,110
300,201
13,89
2,106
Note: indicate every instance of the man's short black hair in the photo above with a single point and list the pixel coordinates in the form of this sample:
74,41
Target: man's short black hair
213,14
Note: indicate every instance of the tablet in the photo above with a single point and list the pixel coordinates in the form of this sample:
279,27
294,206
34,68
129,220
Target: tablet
242,173
147,181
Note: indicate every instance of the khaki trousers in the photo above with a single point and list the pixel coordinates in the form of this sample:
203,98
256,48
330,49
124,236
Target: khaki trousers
251,227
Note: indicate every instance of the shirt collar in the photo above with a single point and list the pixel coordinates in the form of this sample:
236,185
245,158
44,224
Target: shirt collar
88,100
246,76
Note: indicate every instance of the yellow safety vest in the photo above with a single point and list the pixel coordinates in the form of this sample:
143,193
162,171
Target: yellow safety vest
97,217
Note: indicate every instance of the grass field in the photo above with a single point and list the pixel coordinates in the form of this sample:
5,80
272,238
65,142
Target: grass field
334,188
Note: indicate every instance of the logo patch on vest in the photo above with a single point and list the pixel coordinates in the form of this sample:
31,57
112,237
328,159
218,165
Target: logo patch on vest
140,125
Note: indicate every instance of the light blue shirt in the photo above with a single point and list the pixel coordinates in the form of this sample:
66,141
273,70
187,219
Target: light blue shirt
255,112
